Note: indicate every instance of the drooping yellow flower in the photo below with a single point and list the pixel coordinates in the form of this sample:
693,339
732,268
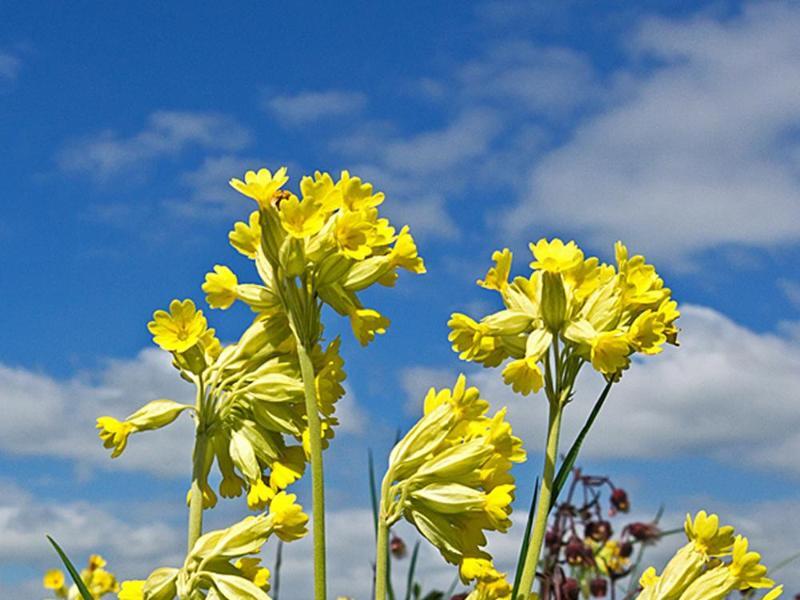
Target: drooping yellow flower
289,520
220,287
114,434
497,276
132,590
180,328
153,415
555,256
251,568
367,322
246,237
261,186
524,375
404,253
610,352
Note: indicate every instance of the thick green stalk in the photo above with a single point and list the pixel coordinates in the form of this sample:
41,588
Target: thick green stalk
543,505
381,560
196,493
317,481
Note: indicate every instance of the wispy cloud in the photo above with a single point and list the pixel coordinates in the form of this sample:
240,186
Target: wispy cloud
698,150
166,134
10,65
311,106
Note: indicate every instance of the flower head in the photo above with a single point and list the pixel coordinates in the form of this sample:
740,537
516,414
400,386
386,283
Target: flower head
180,328
262,185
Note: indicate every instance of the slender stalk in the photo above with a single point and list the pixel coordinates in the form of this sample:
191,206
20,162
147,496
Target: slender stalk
543,506
196,493
317,482
381,560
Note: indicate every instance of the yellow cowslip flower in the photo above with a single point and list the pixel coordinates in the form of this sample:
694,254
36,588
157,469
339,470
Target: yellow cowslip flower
100,582
261,186
131,590
220,287
53,580
301,219
259,495
497,276
591,312
322,190
449,475
153,415
405,255
251,569
555,256
246,237
367,322
490,583
289,520
356,194
180,328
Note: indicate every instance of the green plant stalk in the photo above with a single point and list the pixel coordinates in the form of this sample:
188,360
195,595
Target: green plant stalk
381,560
317,481
196,493
543,506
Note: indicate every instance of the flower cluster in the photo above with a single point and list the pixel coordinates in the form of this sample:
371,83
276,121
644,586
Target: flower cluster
98,581
331,237
604,314
713,564
450,477
221,564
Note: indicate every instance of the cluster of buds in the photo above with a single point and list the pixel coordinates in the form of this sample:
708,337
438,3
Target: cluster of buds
222,564
603,313
583,558
98,581
450,477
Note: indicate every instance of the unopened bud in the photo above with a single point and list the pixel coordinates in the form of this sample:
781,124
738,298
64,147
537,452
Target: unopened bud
397,547
625,549
577,552
598,587
554,301
571,589
599,531
619,500
644,532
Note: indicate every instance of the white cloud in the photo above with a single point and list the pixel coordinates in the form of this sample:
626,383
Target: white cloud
790,289
44,416
166,134
699,154
9,66
308,107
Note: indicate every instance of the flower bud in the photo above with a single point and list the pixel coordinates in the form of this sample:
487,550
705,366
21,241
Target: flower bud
599,531
571,589
552,539
619,500
577,552
397,547
625,549
598,587
644,532
554,301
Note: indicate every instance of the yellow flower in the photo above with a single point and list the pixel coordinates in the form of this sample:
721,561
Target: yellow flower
289,469
301,219
246,238
366,322
610,352
497,276
288,517
746,566
96,562
357,195
555,256
646,334
404,253
523,375
260,186
101,582
114,434
259,495
53,580
180,328
132,590
220,287
355,233
251,568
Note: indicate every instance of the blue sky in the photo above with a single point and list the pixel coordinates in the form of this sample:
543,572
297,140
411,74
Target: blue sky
672,126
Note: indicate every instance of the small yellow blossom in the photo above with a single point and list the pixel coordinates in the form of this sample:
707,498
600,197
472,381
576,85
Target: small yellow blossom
288,518
53,580
131,590
367,322
180,328
246,237
259,495
261,186
523,375
220,287
497,276
555,256
610,352
301,219
114,434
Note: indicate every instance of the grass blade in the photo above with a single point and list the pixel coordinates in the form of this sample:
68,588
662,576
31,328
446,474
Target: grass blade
785,562
373,491
526,539
412,567
276,576
569,460
72,571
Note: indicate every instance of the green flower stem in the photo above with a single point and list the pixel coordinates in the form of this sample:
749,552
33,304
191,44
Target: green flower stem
382,560
196,493
543,505
317,481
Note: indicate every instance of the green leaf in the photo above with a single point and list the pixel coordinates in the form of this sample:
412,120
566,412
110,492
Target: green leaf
526,539
72,571
373,492
569,461
412,567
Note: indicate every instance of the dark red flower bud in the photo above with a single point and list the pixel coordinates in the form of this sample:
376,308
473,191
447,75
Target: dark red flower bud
644,532
625,549
578,553
599,531
397,547
619,500
571,589
598,587
459,597
552,539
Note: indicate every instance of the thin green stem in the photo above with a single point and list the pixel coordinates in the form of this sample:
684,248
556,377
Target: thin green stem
382,560
317,481
196,493
543,506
